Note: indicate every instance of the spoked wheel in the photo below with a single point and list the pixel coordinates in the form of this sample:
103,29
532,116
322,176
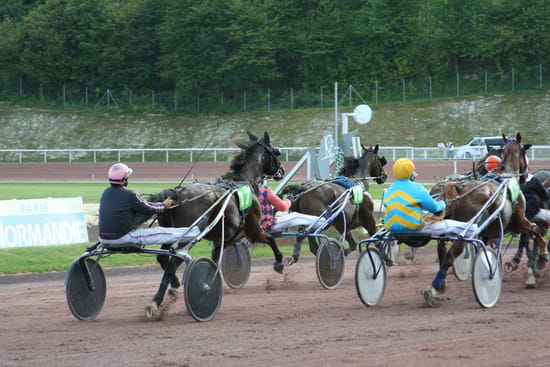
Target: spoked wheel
236,265
462,266
85,293
203,288
330,264
487,289
370,288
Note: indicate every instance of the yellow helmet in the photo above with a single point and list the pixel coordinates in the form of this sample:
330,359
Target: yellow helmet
403,168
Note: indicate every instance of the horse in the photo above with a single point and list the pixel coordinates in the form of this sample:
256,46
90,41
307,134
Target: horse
467,197
543,176
255,159
313,197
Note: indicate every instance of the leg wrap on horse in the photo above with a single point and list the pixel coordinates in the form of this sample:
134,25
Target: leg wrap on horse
439,278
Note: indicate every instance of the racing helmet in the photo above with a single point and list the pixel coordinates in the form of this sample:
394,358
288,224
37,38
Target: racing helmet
119,173
492,162
403,168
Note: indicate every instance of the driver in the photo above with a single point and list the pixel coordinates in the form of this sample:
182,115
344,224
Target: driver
271,203
405,201
492,162
121,211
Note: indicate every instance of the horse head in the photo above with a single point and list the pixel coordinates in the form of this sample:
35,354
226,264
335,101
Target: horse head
514,158
256,159
369,165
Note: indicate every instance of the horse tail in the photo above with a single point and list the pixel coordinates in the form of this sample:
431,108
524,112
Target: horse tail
292,190
450,190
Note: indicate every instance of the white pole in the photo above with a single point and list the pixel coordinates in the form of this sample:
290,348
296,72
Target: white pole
336,112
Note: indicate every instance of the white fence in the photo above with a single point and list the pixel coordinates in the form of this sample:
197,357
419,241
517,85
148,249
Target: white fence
536,152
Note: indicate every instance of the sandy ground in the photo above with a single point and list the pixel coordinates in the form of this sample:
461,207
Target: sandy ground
280,320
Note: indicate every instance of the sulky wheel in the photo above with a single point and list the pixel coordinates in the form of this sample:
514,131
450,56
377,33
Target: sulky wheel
236,265
203,288
330,264
486,288
85,288
392,252
462,266
370,277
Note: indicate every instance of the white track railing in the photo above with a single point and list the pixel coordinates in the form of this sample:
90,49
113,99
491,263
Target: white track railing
536,152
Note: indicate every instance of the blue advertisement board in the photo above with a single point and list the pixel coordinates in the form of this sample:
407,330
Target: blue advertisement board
42,222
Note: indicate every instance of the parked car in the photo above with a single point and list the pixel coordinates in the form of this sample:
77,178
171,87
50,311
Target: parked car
477,147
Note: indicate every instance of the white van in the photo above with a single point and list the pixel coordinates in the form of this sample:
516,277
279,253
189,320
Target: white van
477,147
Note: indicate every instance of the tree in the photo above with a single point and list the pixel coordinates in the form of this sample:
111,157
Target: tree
67,41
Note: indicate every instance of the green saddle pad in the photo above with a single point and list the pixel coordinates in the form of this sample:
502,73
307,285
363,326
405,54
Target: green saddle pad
513,189
357,192
244,193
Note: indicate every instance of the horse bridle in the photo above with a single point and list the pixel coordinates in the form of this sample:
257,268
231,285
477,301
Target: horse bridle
522,152
273,154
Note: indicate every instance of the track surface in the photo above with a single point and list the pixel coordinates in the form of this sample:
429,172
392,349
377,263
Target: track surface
277,320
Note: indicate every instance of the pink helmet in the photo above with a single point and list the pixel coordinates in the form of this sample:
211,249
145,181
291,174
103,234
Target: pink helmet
119,173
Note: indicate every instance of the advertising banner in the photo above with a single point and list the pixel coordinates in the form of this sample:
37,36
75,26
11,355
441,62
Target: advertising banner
42,222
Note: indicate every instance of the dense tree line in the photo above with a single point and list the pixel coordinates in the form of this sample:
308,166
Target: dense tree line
236,45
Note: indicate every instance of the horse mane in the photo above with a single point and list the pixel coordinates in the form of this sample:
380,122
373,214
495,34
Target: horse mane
240,159
350,167
450,190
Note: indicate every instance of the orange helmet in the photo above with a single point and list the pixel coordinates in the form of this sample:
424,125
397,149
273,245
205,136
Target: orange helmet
492,162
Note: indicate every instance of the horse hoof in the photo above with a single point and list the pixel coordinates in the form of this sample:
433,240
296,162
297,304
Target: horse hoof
289,260
531,282
173,294
510,266
278,267
152,312
408,255
429,296
541,262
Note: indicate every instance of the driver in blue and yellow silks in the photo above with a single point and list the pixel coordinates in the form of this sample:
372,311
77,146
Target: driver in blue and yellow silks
406,200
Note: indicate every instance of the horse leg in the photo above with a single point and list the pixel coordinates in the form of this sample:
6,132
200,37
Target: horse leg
513,264
295,252
438,283
278,265
215,253
313,245
351,242
542,259
153,311
532,253
163,260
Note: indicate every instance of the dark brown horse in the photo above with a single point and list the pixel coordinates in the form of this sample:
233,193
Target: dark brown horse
256,158
514,159
314,196
466,199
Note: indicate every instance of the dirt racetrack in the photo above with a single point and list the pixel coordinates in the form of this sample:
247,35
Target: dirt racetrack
279,320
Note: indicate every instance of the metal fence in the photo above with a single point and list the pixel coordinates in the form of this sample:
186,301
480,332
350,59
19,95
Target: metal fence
536,152
414,88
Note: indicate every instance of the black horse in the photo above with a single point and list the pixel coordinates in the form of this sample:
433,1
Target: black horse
314,196
256,158
536,190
